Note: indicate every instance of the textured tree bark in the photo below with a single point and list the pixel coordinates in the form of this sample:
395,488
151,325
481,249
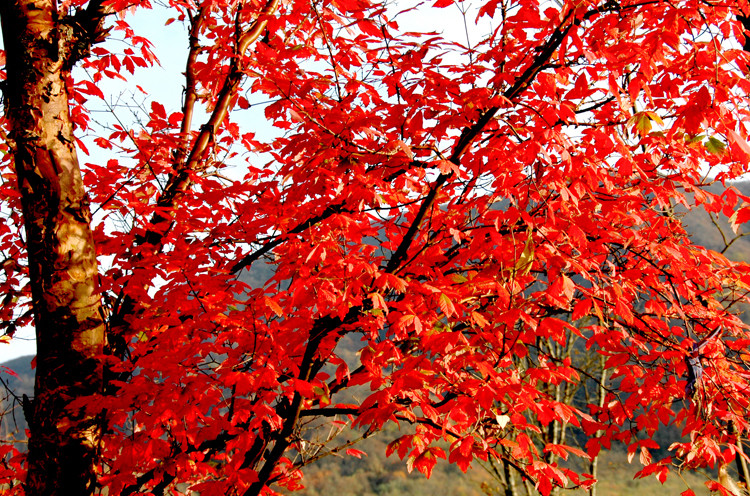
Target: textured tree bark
61,252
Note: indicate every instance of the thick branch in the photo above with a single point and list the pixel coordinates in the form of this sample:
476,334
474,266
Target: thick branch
303,226
335,208
63,272
191,94
470,133
87,30
181,181
283,438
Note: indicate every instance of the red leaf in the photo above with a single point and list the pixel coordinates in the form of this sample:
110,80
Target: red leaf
274,306
740,143
446,305
425,462
369,27
91,89
7,370
355,452
581,308
158,110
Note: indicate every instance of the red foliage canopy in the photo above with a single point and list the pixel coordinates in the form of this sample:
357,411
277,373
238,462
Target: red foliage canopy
476,216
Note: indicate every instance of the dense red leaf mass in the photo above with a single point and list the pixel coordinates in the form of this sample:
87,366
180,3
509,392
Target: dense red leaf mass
477,216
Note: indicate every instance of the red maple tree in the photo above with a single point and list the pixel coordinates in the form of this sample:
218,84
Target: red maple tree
465,212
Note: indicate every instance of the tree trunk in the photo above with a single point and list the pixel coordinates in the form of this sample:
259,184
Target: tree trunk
594,466
511,486
61,252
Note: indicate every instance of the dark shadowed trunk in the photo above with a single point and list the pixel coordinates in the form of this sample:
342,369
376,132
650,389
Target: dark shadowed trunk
61,251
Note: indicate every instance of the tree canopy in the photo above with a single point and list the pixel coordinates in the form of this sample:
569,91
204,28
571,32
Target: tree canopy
495,222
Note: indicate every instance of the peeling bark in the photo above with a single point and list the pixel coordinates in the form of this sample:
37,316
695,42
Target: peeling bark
62,256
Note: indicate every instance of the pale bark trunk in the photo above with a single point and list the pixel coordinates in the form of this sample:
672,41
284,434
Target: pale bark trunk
594,466
61,252
511,486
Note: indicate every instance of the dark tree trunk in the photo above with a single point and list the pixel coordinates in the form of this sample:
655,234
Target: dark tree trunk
62,256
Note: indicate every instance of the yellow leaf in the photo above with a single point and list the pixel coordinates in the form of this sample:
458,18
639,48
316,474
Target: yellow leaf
274,306
523,264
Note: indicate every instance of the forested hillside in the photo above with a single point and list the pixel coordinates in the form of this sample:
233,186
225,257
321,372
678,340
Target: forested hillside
17,379
716,232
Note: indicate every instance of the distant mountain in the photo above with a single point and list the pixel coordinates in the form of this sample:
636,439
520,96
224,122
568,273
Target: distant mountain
713,234
12,389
